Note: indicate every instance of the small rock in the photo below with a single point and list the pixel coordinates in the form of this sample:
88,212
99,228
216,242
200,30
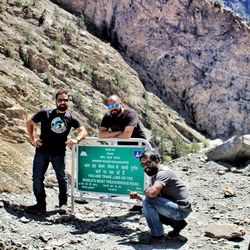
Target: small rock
45,237
24,220
228,231
221,172
228,192
216,217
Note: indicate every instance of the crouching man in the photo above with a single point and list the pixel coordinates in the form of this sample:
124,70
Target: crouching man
166,201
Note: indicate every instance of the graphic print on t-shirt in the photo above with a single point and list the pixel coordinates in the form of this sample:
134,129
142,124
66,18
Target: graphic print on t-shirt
58,125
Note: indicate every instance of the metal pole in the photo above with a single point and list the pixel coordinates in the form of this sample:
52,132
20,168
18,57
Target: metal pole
73,179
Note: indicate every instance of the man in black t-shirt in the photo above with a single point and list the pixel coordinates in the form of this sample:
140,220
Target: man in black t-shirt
51,146
120,122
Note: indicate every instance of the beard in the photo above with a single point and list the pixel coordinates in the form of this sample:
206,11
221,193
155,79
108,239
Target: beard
62,107
115,112
150,171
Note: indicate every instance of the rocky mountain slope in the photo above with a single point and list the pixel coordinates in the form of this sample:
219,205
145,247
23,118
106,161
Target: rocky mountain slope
193,54
43,48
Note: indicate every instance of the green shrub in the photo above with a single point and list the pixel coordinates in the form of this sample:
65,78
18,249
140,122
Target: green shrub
29,36
80,21
79,102
8,50
86,68
205,143
218,3
179,148
57,49
166,158
194,147
56,14
2,7
119,81
49,78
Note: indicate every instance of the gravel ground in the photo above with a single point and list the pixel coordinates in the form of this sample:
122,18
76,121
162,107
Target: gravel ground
107,225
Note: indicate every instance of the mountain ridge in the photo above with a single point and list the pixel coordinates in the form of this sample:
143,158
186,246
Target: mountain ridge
188,54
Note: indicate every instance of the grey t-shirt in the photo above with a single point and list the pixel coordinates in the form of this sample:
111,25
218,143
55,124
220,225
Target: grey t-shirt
174,188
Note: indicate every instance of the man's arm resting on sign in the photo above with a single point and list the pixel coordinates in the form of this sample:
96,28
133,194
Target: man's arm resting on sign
127,133
81,133
104,133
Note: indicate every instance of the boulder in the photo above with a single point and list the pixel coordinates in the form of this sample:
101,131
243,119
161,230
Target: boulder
227,231
234,149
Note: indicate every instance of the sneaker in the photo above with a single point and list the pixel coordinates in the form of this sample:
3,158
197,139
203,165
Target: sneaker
63,209
37,209
175,233
136,209
149,239
81,201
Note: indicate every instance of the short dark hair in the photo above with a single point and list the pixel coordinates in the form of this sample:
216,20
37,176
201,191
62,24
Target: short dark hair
61,91
152,155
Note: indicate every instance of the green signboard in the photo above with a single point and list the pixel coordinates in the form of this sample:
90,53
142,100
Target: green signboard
110,169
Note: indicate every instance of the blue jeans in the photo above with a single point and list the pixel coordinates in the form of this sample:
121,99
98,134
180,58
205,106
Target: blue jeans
40,165
152,207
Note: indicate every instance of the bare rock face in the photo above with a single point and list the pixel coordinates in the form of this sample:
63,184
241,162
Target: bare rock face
194,55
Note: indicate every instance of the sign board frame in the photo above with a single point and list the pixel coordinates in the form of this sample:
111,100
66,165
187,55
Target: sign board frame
109,169
110,153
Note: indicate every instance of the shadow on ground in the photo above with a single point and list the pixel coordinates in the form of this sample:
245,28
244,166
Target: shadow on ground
106,225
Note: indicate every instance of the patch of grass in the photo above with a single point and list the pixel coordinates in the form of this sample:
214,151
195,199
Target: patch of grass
57,49
49,78
2,8
205,143
194,147
56,14
119,81
86,68
218,3
28,35
79,102
80,21
8,50
179,148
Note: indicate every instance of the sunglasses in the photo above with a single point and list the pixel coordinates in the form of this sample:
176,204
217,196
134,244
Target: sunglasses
146,163
62,100
114,105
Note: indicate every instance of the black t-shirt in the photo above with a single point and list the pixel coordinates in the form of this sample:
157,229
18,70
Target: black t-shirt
55,128
128,118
